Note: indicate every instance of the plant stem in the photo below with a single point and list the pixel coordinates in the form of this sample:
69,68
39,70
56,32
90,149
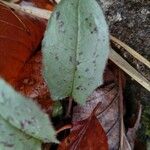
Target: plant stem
69,107
64,128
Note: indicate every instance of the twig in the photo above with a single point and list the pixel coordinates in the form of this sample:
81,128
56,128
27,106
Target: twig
121,112
69,126
123,139
131,51
126,67
69,107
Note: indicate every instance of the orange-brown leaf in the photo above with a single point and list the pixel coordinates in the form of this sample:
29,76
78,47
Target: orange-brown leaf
31,83
45,4
86,134
20,36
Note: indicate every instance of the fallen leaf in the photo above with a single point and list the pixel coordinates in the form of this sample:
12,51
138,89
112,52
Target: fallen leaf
108,112
30,82
20,35
86,134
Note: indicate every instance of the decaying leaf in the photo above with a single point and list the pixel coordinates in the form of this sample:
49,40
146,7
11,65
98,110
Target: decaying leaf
24,114
45,4
31,83
20,36
75,49
86,134
108,112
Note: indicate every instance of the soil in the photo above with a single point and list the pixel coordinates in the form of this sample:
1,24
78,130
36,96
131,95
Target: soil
129,21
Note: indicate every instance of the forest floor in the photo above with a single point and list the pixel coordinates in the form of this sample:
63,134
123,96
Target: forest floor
129,21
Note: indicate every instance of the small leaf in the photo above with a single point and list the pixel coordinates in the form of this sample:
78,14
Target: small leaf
75,49
24,114
13,139
57,109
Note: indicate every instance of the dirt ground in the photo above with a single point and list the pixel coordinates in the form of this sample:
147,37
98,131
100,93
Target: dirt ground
129,21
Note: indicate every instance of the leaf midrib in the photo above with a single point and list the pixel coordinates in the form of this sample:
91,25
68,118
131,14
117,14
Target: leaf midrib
77,42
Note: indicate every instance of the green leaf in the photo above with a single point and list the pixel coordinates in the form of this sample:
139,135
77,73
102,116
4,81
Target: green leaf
13,139
75,49
24,114
57,109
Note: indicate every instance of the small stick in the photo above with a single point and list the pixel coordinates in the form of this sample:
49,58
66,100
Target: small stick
123,139
69,107
69,126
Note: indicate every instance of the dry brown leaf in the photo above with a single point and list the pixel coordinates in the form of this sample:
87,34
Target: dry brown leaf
20,36
86,134
31,83
108,112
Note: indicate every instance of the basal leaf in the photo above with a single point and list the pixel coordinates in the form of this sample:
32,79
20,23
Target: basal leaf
75,49
24,114
13,139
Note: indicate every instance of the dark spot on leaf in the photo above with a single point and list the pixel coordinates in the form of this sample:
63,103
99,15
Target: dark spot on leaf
80,53
61,24
79,77
22,124
87,69
56,57
95,30
79,87
7,144
11,134
78,63
57,15
94,61
94,53
90,24
86,19
70,59
97,55
75,68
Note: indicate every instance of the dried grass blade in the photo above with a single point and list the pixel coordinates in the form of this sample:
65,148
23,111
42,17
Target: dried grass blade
131,51
38,12
126,67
